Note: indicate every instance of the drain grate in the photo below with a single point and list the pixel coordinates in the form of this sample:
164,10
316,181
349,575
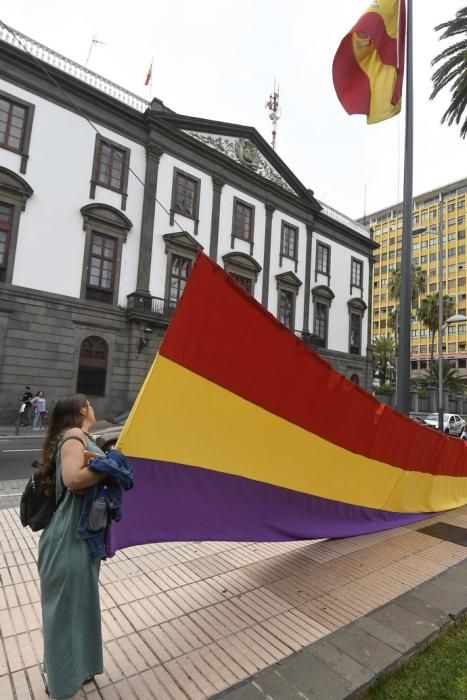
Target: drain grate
444,531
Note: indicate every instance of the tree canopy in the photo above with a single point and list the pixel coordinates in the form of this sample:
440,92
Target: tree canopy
453,381
451,69
418,284
384,355
428,314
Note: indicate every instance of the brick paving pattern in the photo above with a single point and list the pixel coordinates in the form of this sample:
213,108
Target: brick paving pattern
188,620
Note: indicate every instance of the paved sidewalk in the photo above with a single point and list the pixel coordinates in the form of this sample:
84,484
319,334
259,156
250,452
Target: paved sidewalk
266,620
17,431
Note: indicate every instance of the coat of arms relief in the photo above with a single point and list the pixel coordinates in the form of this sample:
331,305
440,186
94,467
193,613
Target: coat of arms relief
244,152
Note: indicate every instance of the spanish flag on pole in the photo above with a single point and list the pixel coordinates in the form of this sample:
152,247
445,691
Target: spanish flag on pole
149,75
368,67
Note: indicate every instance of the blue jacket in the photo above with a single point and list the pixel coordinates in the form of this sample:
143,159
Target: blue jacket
119,475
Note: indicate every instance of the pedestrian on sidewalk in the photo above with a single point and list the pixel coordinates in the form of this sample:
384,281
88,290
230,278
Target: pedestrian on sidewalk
25,409
69,577
40,410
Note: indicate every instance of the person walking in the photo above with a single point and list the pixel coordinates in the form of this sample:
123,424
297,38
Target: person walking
25,410
69,577
40,410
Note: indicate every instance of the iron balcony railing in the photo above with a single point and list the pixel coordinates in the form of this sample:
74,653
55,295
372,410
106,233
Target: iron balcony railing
155,306
164,309
310,340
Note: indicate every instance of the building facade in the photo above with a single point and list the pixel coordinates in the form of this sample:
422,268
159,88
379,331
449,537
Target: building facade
105,200
386,225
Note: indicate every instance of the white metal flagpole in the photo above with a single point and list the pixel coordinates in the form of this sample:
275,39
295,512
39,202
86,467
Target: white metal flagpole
405,309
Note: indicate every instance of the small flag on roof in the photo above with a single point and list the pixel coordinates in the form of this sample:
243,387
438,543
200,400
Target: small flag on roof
148,75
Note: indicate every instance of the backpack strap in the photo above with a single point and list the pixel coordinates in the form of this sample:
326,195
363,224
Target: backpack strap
73,437
70,437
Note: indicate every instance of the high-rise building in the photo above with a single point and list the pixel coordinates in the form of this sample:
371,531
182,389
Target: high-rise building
386,225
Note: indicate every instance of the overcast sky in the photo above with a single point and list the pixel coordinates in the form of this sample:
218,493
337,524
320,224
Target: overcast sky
217,59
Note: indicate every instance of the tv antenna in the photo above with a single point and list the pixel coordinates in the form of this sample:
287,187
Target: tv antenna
274,112
94,41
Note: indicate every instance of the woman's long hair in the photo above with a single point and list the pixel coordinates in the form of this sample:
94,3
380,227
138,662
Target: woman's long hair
66,414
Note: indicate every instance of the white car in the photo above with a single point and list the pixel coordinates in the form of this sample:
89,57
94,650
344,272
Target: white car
452,424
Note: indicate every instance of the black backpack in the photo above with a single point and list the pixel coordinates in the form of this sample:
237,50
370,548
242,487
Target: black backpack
36,507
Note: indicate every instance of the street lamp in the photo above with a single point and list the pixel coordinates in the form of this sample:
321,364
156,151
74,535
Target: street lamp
440,313
457,318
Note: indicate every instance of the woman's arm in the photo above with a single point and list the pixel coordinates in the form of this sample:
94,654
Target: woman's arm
75,474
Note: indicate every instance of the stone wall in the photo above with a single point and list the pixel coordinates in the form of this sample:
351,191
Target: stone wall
39,346
428,402
348,365
40,339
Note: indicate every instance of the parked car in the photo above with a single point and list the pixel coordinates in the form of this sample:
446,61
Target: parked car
107,437
419,419
452,423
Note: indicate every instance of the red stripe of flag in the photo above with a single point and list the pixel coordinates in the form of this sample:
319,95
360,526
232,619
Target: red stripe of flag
222,334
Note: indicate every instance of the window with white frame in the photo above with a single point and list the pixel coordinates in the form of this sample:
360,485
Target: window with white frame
356,273
322,299
288,286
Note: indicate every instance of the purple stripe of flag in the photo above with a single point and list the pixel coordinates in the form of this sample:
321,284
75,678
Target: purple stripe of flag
175,502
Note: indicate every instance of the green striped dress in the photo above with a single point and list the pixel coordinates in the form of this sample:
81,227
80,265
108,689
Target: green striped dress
71,616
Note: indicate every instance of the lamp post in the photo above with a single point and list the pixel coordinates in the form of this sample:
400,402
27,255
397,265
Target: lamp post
440,313
457,318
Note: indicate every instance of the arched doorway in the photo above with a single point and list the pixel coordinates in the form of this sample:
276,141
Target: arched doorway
92,370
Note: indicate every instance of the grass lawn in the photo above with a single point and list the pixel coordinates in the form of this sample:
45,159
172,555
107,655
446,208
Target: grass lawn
438,673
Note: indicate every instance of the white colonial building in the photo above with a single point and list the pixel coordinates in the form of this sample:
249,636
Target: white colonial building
104,202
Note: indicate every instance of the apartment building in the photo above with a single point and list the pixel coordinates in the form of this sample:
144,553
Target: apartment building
386,226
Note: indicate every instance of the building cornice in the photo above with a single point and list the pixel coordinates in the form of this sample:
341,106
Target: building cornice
339,233
419,199
67,91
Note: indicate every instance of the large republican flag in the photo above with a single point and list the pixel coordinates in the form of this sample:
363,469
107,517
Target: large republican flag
241,432
368,67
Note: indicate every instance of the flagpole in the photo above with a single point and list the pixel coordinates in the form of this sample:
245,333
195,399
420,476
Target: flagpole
405,310
150,81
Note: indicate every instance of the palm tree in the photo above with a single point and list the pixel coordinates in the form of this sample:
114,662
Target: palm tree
418,284
428,314
453,381
392,320
452,68
384,353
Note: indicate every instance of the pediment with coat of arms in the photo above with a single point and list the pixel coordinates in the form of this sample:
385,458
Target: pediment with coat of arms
245,152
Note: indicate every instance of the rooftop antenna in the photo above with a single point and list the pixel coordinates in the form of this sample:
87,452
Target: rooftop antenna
274,112
364,206
94,41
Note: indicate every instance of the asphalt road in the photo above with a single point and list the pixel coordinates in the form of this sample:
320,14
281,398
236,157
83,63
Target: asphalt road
16,455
